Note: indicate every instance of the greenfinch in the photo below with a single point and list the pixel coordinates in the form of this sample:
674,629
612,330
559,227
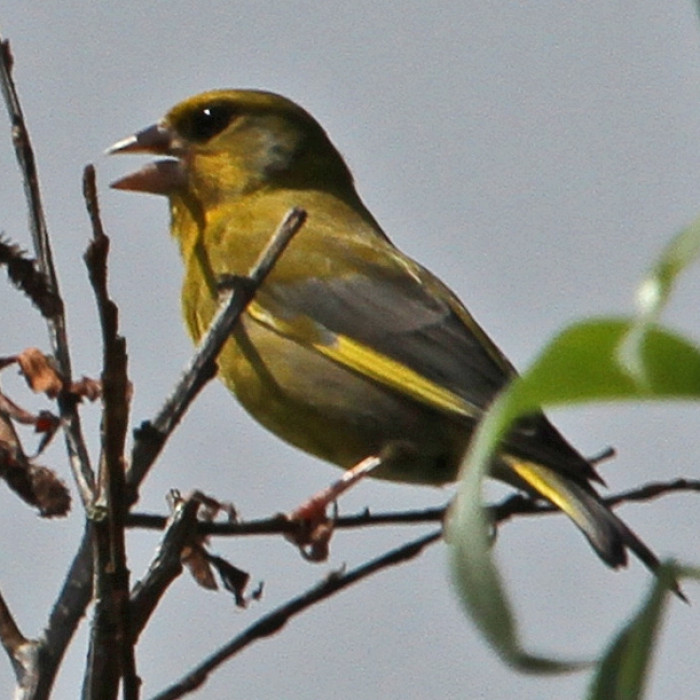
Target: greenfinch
349,349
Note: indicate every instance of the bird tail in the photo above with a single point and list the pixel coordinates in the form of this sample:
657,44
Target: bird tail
608,535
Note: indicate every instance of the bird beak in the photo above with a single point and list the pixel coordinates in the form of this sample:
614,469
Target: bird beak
160,177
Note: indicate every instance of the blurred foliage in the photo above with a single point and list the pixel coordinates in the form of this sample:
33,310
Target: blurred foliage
622,359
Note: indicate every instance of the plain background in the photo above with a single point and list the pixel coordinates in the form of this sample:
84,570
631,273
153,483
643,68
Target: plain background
536,156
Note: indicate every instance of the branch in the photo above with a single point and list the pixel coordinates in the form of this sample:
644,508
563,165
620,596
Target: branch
282,525
37,221
166,565
152,435
523,505
36,661
66,614
13,641
77,451
43,656
274,621
111,654
516,505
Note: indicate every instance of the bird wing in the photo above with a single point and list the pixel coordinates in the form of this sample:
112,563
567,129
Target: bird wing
394,321
411,334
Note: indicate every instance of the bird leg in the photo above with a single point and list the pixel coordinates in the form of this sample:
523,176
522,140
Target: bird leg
314,528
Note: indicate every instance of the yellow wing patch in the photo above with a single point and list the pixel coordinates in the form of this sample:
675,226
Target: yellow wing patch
368,362
557,490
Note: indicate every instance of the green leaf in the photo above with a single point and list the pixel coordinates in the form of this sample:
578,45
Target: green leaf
623,670
580,365
608,359
655,291
682,251
474,571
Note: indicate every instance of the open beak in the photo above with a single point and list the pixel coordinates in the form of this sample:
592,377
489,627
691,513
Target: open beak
161,176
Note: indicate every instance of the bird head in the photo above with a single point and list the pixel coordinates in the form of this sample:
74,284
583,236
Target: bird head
227,143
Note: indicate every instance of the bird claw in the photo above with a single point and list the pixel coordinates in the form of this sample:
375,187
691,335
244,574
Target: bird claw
313,529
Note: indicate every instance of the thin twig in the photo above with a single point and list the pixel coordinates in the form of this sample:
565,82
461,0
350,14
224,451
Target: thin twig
42,657
523,505
37,221
271,623
274,621
152,436
282,525
66,614
77,451
36,661
166,565
111,654
11,638
515,505
653,490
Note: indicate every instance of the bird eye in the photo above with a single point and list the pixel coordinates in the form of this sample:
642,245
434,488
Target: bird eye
207,122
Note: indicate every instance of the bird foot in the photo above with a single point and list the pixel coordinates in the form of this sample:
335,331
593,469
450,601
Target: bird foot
313,527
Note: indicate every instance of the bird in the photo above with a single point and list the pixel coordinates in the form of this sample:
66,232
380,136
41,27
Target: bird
349,349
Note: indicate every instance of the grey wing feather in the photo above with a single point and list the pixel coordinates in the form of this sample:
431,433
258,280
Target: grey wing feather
403,321
401,317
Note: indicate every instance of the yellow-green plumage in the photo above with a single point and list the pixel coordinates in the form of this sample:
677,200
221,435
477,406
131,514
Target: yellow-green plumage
297,392
349,349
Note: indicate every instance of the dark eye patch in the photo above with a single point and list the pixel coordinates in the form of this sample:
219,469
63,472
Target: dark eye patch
205,122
